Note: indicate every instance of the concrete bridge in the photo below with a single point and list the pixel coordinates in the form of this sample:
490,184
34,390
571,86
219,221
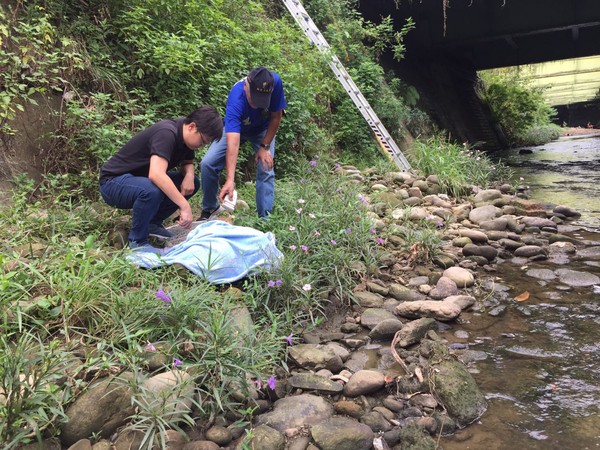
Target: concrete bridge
450,44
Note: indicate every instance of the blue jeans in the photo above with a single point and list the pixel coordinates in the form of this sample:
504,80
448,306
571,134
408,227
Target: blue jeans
214,162
150,205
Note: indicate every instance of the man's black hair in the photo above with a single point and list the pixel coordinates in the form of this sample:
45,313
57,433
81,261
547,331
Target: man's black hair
208,122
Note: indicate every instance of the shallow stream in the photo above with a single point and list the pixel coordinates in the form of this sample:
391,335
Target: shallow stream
541,372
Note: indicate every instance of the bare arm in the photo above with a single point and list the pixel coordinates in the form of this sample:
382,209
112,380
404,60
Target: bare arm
187,185
158,175
233,149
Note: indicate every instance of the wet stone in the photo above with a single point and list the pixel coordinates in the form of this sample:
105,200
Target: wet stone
528,251
308,381
576,278
373,316
541,274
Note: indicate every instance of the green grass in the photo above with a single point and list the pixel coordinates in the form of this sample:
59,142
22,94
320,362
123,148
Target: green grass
457,167
67,291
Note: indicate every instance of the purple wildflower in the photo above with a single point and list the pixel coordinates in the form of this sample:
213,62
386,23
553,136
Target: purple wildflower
177,362
313,163
293,247
380,240
333,242
271,283
162,295
258,383
348,231
304,248
278,283
337,165
299,210
289,339
271,382
372,230
150,347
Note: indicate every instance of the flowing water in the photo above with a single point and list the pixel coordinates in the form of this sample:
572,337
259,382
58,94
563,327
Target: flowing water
541,372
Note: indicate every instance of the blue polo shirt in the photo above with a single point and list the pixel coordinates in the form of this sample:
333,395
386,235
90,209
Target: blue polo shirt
243,119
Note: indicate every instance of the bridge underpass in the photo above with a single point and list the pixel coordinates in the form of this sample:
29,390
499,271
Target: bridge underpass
449,45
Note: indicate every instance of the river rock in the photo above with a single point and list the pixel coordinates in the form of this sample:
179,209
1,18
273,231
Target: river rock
443,288
576,278
487,195
510,244
566,211
309,381
403,293
484,214
461,241
368,299
373,316
342,433
538,222
462,277
376,421
464,301
414,331
219,435
461,212
498,224
100,410
486,251
458,392
315,356
296,411
263,436
175,387
528,251
201,445
377,288
364,382
476,236
386,329
350,408
442,311
541,274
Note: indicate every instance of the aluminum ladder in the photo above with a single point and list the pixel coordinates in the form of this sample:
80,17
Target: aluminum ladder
385,141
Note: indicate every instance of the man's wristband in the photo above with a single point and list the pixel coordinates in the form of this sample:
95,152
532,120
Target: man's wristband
265,146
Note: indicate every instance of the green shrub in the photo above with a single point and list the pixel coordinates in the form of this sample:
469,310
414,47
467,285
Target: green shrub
514,104
540,135
457,167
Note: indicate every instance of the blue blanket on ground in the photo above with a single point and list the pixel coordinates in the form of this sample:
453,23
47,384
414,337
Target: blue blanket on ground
218,252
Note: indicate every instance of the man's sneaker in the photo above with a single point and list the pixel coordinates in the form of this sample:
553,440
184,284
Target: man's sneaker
146,248
210,215
159,232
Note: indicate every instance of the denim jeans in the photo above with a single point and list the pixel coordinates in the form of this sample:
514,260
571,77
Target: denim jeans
148,202
213,163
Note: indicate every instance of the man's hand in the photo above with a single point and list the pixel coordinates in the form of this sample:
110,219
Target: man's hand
227,189
187,186
264,156
185,217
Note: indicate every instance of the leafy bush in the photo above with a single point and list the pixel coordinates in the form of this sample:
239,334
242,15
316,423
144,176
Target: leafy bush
514,104
539,135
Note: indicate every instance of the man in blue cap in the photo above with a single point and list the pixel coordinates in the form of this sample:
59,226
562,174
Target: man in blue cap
253,113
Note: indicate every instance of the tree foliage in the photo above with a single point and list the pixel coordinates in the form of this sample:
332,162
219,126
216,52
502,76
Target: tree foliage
122,65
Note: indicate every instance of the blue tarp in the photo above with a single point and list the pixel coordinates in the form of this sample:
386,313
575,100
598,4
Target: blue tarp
218,252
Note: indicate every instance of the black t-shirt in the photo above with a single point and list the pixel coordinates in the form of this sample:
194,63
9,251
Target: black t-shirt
164,138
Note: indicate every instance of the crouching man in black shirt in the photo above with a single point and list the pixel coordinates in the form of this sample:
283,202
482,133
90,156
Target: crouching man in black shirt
140,175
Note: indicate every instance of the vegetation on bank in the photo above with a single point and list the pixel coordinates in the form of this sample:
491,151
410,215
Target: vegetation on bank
518,107
74,310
